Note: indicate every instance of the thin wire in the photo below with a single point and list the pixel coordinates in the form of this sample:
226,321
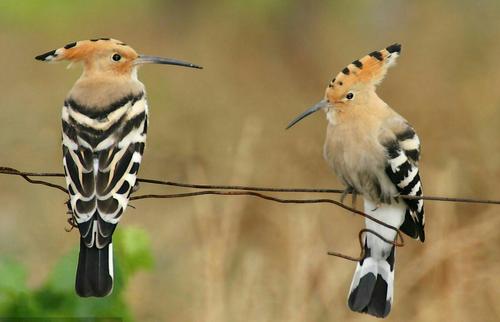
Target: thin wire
11,171
361,245
262,196
235,190
26,175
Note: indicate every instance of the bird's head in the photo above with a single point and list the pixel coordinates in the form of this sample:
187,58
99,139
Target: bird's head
355,84
105,56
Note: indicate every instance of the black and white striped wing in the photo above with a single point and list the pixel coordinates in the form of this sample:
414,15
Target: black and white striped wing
402,169
101,159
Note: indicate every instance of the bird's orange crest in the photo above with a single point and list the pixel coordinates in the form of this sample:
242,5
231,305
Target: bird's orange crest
84,49
106,56
368,71
103,54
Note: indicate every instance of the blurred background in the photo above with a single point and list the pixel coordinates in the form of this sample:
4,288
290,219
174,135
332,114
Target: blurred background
239,258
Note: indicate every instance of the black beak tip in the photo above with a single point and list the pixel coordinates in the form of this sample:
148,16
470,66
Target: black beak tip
291,124
43,57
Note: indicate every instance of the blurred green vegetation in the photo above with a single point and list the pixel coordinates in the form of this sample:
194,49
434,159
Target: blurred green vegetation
56,296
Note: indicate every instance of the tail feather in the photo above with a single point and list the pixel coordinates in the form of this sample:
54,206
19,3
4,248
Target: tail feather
372,286
94,275
363,284
379,305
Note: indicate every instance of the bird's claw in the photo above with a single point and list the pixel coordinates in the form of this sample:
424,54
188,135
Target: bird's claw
353,192
71,217
72,224
346,191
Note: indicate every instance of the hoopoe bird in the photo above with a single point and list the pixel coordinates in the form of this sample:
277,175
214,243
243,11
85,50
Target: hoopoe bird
375,152
104,125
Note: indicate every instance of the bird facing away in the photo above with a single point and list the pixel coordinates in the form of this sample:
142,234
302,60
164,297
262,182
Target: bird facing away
374,152
104,125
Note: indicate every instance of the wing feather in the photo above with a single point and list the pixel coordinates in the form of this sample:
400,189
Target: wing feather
101,163
403,154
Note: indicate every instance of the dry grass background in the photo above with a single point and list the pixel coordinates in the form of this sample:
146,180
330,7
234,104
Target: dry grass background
242,259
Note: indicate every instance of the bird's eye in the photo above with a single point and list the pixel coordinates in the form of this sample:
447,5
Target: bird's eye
116,57
349,96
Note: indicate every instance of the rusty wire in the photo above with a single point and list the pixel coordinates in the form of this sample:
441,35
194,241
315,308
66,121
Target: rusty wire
26,175
236,190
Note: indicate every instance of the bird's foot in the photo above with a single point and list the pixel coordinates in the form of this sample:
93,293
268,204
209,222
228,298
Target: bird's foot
136,187
354,198
346,191
353,192
71,217
396,197
72,223
68,205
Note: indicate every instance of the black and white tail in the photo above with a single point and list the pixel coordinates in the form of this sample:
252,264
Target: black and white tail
372,285
94,274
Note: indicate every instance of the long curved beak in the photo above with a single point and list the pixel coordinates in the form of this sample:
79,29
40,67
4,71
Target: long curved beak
322,104
143,59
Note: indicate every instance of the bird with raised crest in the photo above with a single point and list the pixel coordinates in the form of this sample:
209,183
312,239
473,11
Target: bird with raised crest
104,125
375,152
